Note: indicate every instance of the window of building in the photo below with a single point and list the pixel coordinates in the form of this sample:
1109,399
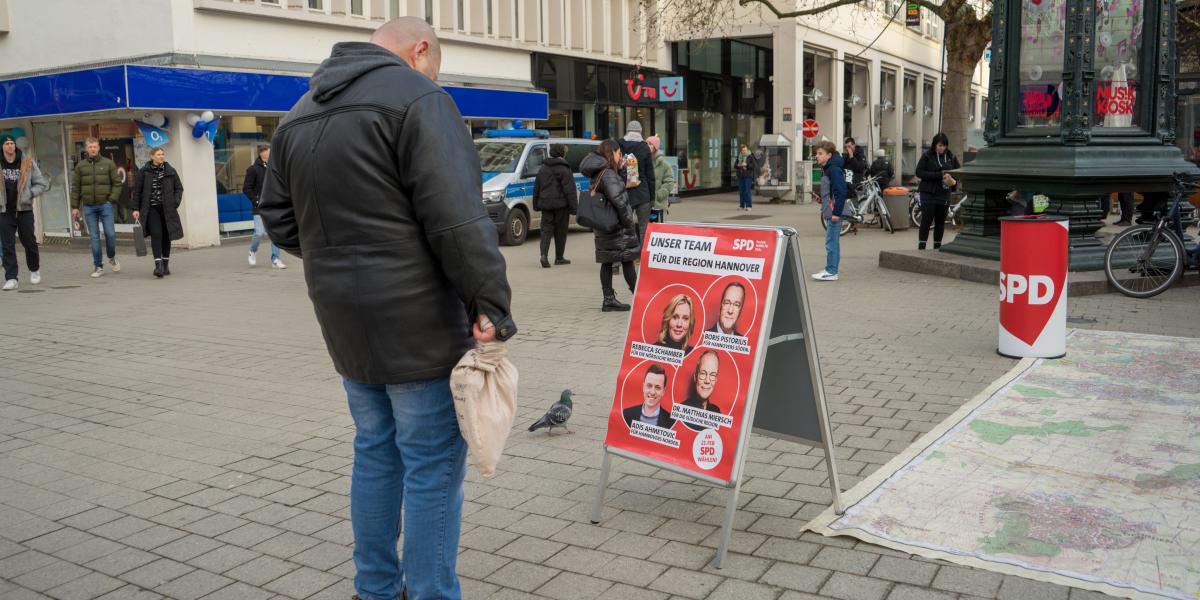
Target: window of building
699,140
704,56
316,4
1043,32
235,149
743,59
460,15
356,7
428,11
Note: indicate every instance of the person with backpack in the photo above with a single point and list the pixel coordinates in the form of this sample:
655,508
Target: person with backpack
616,236
641,193
833,205
881,169
555,195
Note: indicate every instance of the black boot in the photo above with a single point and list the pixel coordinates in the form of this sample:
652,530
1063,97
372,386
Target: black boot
920,245
937,245
611,303
158,268
545,262
561,261
166,266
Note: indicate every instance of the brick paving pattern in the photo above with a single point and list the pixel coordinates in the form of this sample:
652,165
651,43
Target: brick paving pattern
188,438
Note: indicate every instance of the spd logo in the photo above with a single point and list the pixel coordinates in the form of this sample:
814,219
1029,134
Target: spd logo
1034,290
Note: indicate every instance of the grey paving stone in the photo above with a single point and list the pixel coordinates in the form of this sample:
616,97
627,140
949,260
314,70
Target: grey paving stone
477,565
796,577
908,592
968,581
842,559
121,561
632,571
262,570
793,551
286,544
157,573
531,549
852,587
240,591
323,556
683,582
194,585
187,548
632,544
223,559
153,537
744,590
521,575
87,587
573,586
1019,588
131,592
302,583
622,591
52,575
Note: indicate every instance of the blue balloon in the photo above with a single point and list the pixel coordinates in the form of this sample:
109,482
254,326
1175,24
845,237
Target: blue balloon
211,130
518,124
198,128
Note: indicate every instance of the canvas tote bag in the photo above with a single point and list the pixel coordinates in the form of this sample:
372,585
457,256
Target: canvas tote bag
484,385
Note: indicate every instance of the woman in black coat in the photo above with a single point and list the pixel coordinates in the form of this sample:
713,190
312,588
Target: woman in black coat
619,245
157,191
935,189
554,194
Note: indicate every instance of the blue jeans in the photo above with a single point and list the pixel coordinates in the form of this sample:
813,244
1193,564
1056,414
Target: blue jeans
259,232
833,246
96,215
745,192
407,450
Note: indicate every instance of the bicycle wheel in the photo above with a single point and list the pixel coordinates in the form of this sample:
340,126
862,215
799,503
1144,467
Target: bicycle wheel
1143,261
914,212
885,218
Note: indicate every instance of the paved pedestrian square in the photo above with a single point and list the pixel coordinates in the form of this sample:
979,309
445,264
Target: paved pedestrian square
188,437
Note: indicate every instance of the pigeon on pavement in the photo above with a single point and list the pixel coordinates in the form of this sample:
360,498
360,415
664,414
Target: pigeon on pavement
557,416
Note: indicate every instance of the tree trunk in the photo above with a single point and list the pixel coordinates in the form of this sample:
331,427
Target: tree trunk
966,39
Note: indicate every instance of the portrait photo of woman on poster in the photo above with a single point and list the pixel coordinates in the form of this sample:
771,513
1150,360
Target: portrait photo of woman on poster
678,324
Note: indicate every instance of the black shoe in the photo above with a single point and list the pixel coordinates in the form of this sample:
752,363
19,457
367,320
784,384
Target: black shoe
920,245
1122,223
937,245
158,269
561,261
545,263
166,266
611,303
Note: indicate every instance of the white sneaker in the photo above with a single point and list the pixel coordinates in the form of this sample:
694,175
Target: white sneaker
10,285
98,272
825,276
278,264
253,260
116,266
35,277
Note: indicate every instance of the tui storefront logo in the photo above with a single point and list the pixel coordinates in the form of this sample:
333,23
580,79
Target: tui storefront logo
645,90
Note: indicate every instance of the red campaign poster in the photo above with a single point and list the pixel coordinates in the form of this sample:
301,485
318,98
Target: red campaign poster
694,335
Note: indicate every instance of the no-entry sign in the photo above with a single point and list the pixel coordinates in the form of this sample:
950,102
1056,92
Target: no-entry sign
809,128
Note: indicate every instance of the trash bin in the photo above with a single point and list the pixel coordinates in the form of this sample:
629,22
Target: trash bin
896,200
1033,286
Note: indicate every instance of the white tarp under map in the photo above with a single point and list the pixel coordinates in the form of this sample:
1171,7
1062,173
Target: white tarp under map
1082,471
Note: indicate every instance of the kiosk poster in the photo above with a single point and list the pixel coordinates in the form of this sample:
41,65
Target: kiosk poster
695,332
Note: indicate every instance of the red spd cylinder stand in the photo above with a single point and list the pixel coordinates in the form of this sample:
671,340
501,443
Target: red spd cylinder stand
1033,287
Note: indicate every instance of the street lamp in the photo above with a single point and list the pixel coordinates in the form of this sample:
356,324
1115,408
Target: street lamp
1081,104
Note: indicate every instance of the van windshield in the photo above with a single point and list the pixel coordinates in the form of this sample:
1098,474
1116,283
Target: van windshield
499,157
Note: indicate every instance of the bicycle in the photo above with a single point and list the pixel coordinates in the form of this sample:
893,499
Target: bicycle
869,210
1146,260
914,211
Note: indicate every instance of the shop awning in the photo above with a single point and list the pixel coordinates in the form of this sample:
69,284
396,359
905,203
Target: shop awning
168,88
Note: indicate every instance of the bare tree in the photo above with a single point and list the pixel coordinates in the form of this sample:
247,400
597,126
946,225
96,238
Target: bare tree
968,27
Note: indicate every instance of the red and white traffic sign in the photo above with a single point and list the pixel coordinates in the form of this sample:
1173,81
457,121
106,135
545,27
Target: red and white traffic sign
810,128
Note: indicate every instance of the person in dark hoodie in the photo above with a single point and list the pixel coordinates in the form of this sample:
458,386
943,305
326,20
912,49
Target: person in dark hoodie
833,205
555,195
374,182
621,244
641,195
935,188
252,185
881,169
854,164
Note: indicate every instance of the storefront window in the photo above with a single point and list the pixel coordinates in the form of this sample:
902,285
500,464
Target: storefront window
117,142
699,142
235,149
1043,26
55,217
1118,54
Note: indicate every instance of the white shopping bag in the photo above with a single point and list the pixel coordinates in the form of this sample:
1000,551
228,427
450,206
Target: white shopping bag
484,385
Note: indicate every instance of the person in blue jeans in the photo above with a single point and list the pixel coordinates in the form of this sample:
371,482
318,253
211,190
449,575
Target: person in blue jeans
95,186
405,275
746,168
252,187
833,203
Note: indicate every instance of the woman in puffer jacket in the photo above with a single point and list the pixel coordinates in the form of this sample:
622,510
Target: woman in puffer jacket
620,245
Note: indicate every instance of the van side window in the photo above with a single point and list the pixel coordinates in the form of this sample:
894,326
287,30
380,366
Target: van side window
533,163
575,154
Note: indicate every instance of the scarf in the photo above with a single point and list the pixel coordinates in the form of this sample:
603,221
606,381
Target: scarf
157,174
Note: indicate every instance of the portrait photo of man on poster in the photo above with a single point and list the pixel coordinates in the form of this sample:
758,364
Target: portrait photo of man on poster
650,411
730,309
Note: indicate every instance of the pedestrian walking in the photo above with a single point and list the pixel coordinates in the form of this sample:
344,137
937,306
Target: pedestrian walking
95,186
252,185
620,245
664,181
935,188
746,169
404,270
854,164
881,169
641,193
157,192
833,206
555,195
23,181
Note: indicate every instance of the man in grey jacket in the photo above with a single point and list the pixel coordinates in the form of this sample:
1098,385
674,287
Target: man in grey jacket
23,181
374,182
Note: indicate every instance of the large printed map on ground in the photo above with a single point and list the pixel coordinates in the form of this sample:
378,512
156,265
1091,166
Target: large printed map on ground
1082,471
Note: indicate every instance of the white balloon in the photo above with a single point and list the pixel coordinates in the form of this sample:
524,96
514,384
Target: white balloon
155,119
206,115
192,119
22,143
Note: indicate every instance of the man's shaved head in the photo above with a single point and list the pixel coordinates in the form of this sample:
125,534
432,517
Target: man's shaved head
413,40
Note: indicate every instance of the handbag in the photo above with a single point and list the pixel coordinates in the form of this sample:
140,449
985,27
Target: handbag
595,212
484,387
139,240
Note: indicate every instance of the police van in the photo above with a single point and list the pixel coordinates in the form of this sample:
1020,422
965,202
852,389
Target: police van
510,159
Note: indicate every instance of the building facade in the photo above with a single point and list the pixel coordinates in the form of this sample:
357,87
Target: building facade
579,68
